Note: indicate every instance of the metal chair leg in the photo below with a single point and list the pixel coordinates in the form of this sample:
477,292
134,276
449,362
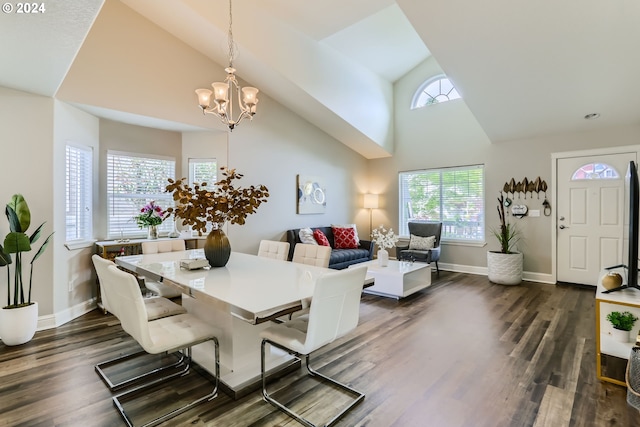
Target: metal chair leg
117,386
313,373
128,395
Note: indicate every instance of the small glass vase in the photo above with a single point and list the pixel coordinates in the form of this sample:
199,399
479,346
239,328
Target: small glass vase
174,233
152,232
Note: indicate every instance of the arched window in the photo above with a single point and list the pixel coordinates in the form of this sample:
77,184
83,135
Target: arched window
595,171
435,90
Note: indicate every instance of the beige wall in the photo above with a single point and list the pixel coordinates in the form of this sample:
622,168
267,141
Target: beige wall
128,138
74,284
448,135
26,167
272,150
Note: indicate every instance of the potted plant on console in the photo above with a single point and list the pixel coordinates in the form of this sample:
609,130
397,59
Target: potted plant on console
505,266
19,318
198,205
622,324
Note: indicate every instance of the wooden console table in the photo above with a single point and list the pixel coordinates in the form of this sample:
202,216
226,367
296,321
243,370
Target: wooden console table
612,355
110,249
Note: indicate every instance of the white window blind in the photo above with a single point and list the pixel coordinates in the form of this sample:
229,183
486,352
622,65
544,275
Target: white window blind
133,180
78,202
203,170
453,196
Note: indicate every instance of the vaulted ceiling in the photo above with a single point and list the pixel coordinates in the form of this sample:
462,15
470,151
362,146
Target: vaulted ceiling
523,69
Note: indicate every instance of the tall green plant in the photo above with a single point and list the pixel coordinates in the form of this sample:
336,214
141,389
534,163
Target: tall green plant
507,235
17,242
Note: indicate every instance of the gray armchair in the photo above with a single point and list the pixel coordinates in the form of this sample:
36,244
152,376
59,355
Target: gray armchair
422,229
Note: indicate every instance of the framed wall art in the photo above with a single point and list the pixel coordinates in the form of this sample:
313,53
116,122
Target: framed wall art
312,198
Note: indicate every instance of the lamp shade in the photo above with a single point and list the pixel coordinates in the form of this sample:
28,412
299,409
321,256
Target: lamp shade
371,201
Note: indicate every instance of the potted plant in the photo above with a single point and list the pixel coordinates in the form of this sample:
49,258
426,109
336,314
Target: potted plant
151,216
505,266
19,318
197,206
622,323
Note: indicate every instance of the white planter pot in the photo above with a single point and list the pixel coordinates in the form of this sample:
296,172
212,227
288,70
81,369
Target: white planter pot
620,335
383,257
505,269
18,325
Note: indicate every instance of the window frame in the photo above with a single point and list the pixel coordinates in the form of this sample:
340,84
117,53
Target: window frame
197,160
82,229
479,224
162,198
415,101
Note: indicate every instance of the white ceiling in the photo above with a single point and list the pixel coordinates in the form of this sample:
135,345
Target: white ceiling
523,69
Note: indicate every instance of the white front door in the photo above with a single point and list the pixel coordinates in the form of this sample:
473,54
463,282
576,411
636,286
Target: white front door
590,215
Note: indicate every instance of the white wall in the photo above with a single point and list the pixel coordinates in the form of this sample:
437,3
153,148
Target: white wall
74,284
26,167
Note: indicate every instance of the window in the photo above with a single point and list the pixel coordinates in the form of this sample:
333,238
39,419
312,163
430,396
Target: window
595,171
203,170
453,196
435,90
133,180
79,196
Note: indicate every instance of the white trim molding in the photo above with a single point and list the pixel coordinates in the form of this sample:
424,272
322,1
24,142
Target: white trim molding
51,321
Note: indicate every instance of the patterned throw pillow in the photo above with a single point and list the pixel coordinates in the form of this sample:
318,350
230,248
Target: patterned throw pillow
321,238
344,238
306,236
355,230
422,243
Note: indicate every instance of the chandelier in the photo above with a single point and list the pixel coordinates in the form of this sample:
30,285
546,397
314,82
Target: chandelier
223,92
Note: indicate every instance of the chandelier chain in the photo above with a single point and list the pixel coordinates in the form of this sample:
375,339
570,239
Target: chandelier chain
231,43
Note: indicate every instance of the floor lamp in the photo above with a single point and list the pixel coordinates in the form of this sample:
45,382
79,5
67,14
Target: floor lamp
371,203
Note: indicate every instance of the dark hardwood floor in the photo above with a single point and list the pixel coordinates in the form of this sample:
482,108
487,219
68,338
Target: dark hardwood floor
464,352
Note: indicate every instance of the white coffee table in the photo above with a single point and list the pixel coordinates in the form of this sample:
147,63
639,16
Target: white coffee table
398,279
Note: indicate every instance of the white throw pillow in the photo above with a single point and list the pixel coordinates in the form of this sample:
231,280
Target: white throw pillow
306,236
422,243
348,226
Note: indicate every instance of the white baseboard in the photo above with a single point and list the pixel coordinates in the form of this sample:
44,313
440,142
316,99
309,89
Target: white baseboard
60,318
482,271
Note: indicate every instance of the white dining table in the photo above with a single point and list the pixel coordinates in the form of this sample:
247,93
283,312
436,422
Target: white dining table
237,300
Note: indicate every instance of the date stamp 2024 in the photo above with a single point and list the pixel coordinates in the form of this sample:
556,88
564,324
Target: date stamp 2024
23,8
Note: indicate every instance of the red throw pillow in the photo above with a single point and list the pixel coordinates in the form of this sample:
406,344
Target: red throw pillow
320,238
344,238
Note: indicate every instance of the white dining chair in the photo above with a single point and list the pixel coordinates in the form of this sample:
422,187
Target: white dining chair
317,255
163,289
155,307
273,249
166,335
304,253
334,313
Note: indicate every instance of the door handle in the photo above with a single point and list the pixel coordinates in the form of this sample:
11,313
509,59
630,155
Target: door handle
562,227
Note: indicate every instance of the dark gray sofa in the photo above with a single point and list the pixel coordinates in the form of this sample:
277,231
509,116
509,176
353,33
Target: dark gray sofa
340,258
